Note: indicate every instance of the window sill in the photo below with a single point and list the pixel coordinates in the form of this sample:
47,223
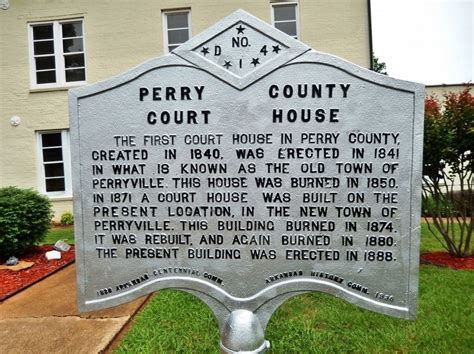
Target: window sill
56,88
60,198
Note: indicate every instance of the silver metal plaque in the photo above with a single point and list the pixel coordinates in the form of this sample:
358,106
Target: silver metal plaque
246,168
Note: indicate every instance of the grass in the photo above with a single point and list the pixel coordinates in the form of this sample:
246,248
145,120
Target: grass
59,233
174,321
444,323
429,243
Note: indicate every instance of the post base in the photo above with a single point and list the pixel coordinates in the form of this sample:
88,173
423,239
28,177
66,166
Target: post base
243,334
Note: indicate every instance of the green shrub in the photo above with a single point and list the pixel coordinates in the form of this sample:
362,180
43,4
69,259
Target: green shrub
448,164
455,203
67,218
25,217
463,202
429,207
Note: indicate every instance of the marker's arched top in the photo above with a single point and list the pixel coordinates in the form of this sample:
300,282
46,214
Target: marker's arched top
240,49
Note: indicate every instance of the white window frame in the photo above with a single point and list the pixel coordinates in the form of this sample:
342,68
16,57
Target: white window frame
58,55
165,14
297,15
66,154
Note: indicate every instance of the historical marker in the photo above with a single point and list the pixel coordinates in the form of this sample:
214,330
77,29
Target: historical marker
246,168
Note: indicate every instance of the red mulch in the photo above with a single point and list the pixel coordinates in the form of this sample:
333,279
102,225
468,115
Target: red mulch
446,260
12,282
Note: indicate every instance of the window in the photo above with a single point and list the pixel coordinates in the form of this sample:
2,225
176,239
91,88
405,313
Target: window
176,28
54,163
57,54
285,18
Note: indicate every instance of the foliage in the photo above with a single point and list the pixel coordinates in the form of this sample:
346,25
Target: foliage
429,204
25,217
379,66
67,218
448,166
458,201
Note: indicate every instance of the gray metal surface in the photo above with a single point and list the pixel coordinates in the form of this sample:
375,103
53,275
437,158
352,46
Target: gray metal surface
336,171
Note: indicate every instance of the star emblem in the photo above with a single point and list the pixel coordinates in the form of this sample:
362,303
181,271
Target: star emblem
276,48
227,64
205,50
240,29
255,62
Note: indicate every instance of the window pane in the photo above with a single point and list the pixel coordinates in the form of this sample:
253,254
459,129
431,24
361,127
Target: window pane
54,170
43,32
284,12
51,139
177,36
46,47
43,63
75,75
72,29
55,185
288,27
177,20
45,77
72,45
172,47
74,60
55,154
